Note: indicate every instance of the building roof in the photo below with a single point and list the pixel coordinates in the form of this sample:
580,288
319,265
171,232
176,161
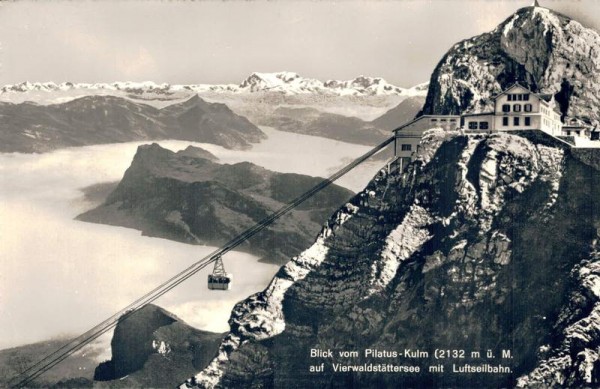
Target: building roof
505,91
575,122
544,96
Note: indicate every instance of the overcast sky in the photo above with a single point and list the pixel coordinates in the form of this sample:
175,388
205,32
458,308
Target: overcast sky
223,42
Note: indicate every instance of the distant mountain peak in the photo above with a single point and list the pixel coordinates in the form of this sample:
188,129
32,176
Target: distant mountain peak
293,83
193,101
282,82
270,78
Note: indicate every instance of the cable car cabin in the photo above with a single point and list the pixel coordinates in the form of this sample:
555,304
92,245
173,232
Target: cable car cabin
219,282
219,279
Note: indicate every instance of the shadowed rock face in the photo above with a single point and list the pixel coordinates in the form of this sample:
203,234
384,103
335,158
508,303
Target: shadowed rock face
28,127
188,197
543,50
153,347
486,242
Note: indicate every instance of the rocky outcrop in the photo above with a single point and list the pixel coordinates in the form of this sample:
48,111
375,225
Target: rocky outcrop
187,196
541,49
483,243
573,360
153,347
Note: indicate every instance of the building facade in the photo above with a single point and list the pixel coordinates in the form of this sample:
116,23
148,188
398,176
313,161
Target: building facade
577,127
517,108
409,135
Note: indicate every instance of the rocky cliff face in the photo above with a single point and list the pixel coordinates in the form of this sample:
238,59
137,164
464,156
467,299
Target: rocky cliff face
187,196
541,49
485,242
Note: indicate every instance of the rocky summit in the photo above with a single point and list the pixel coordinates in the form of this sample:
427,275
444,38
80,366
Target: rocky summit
539,48
480,259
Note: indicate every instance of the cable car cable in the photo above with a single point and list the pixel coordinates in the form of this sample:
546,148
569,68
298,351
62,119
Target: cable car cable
182,276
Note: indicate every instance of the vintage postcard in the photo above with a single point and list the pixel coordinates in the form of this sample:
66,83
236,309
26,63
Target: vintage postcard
300,194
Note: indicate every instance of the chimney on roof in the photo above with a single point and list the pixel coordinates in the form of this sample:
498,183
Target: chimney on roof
535,3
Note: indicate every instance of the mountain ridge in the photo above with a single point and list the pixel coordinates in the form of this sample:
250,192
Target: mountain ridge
283,82
188,197
98,119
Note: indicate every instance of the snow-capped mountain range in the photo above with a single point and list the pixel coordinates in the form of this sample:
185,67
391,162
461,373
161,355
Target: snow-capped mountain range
283,82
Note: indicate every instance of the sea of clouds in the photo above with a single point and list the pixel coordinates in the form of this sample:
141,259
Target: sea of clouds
59,277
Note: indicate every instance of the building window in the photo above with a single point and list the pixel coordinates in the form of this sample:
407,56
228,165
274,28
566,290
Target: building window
509,97
528,108
472,125
452,120
516,121
505,121
517,108
443,120
505,108
406,147
526,97
528,121
568,133
520,97
483,125
433,120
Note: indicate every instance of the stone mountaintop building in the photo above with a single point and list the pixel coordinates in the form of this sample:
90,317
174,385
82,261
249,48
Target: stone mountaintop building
516,108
